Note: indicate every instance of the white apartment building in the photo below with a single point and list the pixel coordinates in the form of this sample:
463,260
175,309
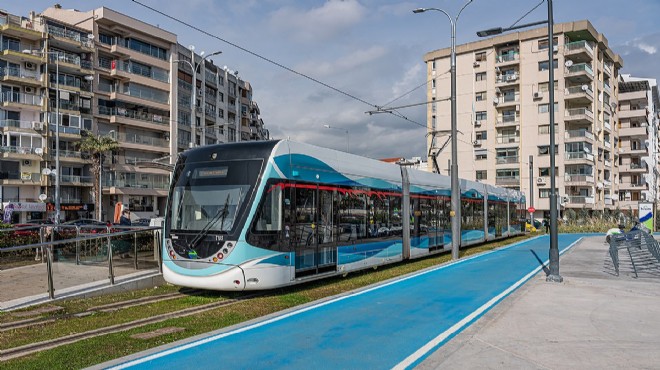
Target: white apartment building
118,76
503,119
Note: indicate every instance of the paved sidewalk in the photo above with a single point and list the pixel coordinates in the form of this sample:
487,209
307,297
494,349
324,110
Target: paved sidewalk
593,320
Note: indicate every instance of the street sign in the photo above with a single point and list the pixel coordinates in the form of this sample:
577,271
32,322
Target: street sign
531,209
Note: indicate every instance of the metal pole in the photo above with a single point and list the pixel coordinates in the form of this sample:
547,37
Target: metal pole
531,189
553,276
238,109
57,139
455,212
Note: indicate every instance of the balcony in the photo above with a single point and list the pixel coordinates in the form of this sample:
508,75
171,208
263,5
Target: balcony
608,163
634,168
135,118
507,101
506,79
139,184
578,180
143,142
508,120
13,123
70,37
580,73
77,180
19,100
634,131
69,155
579,157
609,201
579,136
579,115
19,27
607,126
16,54
640,185
580,200
507,181
507,159
19,178
508,139
578,95
580,50
21,152
511,57
72,62
637,114
66,129
20,75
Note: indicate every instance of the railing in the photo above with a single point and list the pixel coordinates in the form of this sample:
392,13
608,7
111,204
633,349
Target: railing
508,139
580,199
132,114
507,159
71,35
579,133
607,125
146,95
608,163
578,90
142,140
14,123
68,154
104,62
66,129
578,178
76,179
582,67
19,73
608,145
65,58
509,180
24,176
507,78
19,149
579,155
154,73
91,245
507,57
507,119
65,104
20,98
144,184
576,112
609,201
579,45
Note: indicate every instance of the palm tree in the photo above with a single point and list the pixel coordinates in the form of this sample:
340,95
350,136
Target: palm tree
96,146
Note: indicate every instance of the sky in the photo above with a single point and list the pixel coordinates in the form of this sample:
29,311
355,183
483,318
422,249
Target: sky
359,54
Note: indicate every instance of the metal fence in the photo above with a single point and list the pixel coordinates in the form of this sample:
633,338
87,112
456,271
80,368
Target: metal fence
87,245
642,249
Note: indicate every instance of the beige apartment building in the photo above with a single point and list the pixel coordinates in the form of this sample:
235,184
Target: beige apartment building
503,119
118,76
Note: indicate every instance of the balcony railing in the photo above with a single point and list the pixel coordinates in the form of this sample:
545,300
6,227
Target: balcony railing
13,123
71,35
583,133
76,179
142,140
582,67
512,77
68,153
65,104
508,139
577,112
19,149
132,114
578,46
507,57
579,155
579,178
578,90
19,73
24,176
507,159
20,98
66,129
507,120
143,184
580,199
509,180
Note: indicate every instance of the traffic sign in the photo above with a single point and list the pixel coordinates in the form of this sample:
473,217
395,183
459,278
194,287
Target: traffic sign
531,209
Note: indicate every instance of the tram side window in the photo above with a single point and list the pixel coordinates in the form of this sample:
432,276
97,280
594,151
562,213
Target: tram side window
492,217
269,216
353,216
478,214
396,223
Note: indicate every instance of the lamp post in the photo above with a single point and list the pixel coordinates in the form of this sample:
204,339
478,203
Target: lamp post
553,275
455,212
342,129
193,101
238,108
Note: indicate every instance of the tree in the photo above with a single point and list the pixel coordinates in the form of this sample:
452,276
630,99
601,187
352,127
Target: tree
96,146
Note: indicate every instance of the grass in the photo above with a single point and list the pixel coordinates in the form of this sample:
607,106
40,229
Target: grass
104,348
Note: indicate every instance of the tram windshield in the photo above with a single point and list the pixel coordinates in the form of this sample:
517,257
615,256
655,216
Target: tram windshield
208,196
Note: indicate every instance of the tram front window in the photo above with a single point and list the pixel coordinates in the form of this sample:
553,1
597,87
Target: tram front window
210,207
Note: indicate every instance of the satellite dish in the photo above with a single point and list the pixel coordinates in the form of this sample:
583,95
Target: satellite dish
586,149
496,100
42,197
46,171
568,63
585,87
38,151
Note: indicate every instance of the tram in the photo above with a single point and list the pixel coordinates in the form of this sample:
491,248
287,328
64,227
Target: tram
267,214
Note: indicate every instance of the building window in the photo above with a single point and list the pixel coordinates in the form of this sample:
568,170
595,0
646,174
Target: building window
480,116
545,193
481,135
544,86
480,57
433,83
481,154
481,175
545,171
545,108
545,129
545,149
480,96
543,43
543,66
481,76
433,65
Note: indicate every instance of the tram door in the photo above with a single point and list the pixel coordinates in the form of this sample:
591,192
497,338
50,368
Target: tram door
315,232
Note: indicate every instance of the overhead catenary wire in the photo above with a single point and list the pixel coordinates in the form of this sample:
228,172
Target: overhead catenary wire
377,107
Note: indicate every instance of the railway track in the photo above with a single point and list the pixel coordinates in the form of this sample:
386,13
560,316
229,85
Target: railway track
31,348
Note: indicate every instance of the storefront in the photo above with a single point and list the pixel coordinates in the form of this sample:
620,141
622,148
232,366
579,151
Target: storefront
72,211
20,212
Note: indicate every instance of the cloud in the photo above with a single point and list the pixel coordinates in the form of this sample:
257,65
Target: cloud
649,49
346,63
317,24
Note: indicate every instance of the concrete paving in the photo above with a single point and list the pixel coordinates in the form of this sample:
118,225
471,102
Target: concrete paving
28,285
593,320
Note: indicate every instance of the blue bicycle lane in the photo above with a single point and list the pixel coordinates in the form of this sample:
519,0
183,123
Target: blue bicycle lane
394,325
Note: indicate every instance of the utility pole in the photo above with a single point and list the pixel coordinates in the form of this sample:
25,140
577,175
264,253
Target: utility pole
531,189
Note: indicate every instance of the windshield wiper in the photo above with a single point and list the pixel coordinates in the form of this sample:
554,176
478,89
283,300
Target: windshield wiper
221,214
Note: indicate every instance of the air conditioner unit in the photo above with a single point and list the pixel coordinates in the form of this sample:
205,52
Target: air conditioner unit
199,92
477,123
538,95
475,64
555,48
38,126
518,108
29,90
476,143
511,77
540,180
27,162
30,66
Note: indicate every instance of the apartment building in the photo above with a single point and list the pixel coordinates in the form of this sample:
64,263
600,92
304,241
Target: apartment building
638,141
503,114
118,76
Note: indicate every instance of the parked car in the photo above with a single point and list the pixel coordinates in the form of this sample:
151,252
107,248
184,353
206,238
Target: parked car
141,222
87,225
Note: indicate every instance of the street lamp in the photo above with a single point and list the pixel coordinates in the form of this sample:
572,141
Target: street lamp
342,129
455,212
193,101
553,276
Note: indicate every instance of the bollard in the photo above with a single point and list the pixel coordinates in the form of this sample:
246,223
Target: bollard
159,255
135,250
49,269
77,245
110,268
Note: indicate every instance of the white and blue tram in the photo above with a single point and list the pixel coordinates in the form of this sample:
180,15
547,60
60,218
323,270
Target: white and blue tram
261,215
